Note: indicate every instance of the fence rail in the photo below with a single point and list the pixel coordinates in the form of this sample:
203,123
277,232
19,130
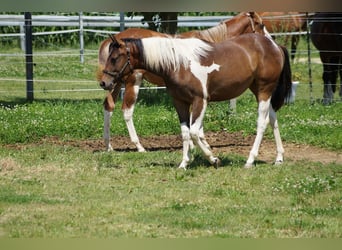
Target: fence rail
105,21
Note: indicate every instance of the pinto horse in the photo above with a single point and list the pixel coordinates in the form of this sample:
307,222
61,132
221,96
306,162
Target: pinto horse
245,22
326,31
196,72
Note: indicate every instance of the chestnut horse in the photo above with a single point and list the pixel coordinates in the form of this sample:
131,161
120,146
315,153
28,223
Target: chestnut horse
279,22
326,31
196,72
245,22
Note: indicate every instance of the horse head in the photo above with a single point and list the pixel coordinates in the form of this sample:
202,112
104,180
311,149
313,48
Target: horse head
118,64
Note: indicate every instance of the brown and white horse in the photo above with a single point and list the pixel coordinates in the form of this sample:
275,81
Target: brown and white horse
245,22
196,72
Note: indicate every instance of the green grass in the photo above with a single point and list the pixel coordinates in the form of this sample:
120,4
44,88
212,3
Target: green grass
60,191
313,124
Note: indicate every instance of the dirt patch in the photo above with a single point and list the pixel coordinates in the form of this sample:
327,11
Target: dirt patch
224,142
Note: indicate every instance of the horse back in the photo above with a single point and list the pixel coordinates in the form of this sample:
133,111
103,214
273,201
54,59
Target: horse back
252,50
326,31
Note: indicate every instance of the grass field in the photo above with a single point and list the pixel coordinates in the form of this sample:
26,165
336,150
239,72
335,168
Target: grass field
61,191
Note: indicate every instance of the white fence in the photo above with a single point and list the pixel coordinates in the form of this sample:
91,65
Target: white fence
84,23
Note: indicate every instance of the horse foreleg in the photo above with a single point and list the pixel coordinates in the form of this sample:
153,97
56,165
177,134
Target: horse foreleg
130,97
108,107
128,117
328,94
197,134
263,120
276,133
202,138
186,145
106,129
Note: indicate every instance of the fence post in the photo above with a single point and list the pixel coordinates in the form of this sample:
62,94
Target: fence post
81,37
29,56
309,54
122,21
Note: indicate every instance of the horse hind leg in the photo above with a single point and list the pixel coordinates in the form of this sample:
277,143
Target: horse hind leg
328,93
106,129
108,107
294,43
263,120
280,149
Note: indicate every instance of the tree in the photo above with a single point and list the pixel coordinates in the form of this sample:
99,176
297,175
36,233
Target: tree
165,22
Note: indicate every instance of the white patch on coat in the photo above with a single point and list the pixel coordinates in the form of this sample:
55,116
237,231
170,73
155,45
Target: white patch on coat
201,73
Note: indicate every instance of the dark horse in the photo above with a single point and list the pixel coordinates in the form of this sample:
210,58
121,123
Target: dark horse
244,22
196,72
326,35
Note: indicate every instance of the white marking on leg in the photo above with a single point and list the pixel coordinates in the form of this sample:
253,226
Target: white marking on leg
106,129
263,120
276,133
128,116
185,133
195,130
202,138
128,113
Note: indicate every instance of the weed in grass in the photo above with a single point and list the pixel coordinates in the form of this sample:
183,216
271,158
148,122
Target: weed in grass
310,185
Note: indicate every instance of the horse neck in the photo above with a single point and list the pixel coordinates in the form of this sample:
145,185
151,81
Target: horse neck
136,54
228,29
238,26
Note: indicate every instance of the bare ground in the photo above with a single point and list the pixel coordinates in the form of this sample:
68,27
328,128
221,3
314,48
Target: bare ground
221,142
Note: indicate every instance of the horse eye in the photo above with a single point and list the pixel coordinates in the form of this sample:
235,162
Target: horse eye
113,60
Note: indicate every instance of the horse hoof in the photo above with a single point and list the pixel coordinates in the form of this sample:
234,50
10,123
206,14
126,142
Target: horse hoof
182,165
249,165
279,162
217,163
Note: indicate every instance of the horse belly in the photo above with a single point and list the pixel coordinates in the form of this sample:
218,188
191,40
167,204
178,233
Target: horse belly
229,90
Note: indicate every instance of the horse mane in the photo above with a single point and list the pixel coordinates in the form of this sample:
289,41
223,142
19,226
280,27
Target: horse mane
172,53
215,34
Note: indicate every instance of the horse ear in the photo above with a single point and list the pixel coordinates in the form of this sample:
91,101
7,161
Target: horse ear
251,13
115,42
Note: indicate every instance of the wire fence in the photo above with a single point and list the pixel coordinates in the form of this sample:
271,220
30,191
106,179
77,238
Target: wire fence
60,73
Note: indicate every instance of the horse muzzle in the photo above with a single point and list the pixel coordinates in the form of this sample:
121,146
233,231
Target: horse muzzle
106,86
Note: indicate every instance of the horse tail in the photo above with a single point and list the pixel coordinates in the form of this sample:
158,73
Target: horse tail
284,85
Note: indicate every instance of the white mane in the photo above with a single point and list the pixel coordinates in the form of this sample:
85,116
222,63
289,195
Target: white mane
171,53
